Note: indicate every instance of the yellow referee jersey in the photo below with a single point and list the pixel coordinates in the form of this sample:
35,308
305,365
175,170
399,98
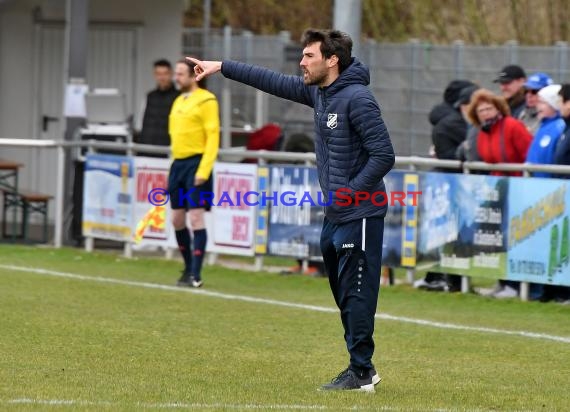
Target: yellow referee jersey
194,128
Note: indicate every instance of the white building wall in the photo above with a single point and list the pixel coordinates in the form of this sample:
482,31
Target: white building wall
160,36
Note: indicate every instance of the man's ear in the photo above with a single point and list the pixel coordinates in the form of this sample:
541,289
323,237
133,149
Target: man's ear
333,60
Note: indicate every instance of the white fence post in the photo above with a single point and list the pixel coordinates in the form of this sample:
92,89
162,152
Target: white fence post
410,276
60,193
524,292
465,284
169,253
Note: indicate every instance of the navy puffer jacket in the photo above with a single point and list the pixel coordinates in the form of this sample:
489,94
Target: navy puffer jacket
352,145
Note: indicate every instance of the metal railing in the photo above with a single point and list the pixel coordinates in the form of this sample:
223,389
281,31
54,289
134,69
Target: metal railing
237,154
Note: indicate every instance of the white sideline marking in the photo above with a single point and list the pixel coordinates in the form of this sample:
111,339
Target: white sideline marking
251,299
182,405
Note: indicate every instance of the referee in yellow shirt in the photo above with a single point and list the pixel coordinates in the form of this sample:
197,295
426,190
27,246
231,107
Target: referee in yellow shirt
194,127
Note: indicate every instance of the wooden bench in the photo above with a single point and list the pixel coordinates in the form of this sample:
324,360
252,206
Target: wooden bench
28,203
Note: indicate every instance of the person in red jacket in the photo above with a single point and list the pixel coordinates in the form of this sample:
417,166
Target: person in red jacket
502,138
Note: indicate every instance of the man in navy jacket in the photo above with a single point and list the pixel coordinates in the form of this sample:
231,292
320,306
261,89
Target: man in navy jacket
562,154
354,153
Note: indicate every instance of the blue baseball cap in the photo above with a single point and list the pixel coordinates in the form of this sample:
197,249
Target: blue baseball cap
537,81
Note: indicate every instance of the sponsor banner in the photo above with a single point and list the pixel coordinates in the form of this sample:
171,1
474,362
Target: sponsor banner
410,217
261,231
107,197
152,225
233,222
463,224
538,244
401,222
294,230
473,225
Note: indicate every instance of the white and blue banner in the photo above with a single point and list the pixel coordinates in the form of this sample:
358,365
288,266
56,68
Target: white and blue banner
108,197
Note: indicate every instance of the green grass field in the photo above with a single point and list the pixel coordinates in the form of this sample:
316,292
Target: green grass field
111,339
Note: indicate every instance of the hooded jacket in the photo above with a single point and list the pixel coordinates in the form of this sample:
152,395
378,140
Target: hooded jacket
449,130
449,127
543,146
352,144
562,153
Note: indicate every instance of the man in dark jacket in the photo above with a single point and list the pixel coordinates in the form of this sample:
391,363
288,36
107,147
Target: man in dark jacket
354,153
562,154
511,81
561,157
157,108
449,126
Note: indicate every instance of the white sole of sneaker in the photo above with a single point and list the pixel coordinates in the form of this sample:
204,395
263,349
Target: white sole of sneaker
363,388
367,388
376,379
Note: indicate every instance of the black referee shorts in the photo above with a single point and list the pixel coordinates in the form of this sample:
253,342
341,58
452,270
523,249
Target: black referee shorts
183,193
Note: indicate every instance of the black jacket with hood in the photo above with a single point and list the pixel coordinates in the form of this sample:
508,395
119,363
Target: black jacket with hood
449,127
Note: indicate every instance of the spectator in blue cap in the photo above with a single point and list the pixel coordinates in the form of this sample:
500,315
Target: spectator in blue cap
529,115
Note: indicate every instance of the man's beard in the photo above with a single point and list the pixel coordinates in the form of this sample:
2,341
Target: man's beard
317,79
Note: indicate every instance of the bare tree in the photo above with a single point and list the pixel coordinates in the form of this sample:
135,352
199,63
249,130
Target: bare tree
531,22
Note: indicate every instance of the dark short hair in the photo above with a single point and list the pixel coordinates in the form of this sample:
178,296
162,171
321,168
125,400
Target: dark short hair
190,65
333,42
162,63
565,92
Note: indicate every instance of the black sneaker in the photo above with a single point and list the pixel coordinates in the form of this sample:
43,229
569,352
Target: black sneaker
348,380
185,280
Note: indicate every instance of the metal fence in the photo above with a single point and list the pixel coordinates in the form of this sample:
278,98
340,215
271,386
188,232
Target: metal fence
408,79
65,149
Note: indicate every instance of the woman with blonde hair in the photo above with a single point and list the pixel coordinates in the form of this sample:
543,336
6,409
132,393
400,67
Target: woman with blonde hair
501,138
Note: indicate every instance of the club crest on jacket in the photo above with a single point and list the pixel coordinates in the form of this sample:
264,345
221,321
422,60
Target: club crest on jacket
332,120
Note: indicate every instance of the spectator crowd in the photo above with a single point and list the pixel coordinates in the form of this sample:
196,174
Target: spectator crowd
527,122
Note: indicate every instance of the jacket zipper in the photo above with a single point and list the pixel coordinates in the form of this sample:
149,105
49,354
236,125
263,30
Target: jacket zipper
324,139
324,100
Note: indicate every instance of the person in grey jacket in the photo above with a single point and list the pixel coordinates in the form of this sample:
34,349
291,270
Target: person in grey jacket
354,152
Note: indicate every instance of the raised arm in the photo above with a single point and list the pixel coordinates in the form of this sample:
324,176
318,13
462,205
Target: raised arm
280,85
